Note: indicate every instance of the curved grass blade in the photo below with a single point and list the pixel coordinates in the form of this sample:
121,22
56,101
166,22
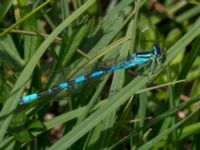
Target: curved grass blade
4,8
157,119
121,97
6,31
156,139
12,101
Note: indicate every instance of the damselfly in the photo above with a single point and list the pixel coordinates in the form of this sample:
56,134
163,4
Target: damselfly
139,58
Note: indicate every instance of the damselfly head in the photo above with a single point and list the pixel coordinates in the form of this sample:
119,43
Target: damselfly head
157,50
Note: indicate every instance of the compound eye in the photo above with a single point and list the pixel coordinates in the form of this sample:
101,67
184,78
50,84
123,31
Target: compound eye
158,50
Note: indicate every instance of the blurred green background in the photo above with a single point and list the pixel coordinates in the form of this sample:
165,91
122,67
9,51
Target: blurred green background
40,39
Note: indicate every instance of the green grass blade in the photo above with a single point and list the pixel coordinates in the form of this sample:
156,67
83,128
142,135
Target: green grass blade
187,65
9,54
156,139
122,96
23,19
158,119
12,101
4,8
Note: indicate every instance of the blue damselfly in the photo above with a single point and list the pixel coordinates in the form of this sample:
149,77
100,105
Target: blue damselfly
139,58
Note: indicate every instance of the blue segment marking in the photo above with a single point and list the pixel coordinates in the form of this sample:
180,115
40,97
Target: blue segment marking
97,73
133,60
29,98
128,64
63,85
113,68
50,90
141,61
79,79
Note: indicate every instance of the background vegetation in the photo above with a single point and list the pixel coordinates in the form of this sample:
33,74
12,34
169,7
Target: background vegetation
39,39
